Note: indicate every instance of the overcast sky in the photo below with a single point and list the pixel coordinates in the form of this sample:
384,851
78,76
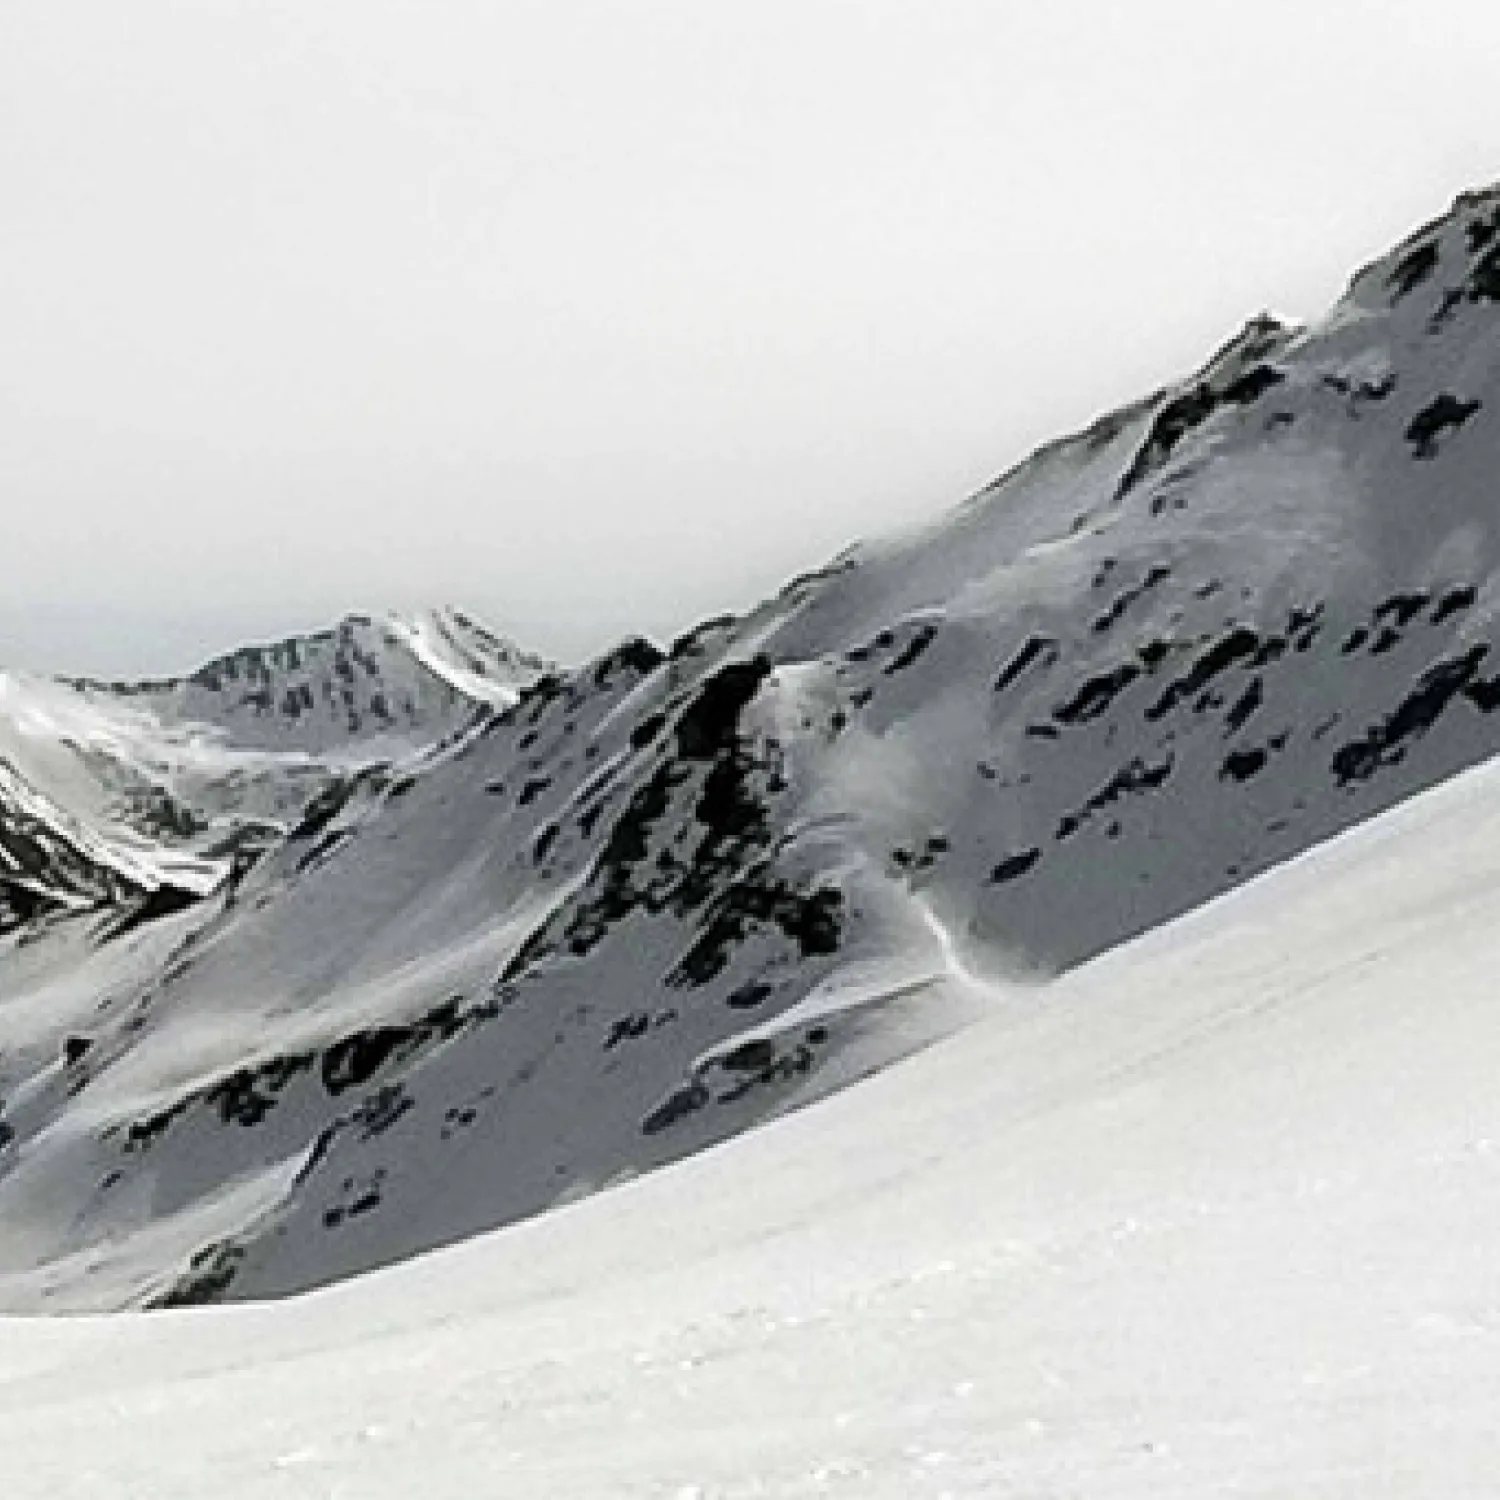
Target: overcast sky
593,316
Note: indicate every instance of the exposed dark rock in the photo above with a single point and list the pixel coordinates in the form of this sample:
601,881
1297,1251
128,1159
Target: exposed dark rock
627,1029
1483,693
532,789
140,1135
164,901
922,637
635,655
1479,233
1455,601
155,811
355,1059
1442,415
647,730
778,1067
358,1195
1484,279
1241,765
381,1110
695,641
1096,695
1136,776
323,849
915,861
1252,385
1153,654
750,1057
325,807
1303,626
1191,408
686,1101
209,1275
708,725
1038,648
1401,609
1173,422
1384,744
1238,645
1250,700
1155,576
247,1095
747,996
810,919
1413,269
1013,866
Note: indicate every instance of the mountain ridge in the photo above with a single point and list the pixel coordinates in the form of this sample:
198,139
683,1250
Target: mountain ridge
135,779
662,897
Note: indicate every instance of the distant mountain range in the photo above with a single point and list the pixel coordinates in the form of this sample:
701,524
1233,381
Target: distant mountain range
354,945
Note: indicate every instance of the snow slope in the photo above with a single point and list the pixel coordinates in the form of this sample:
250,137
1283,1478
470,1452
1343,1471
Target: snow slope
1213,1215
671,895
458,649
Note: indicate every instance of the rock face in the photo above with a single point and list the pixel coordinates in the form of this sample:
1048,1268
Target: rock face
657,899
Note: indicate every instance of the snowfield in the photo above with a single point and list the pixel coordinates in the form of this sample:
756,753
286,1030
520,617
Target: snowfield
1214,1215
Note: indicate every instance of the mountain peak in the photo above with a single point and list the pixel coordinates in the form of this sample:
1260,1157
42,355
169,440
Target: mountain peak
369,677
1451,262
456,647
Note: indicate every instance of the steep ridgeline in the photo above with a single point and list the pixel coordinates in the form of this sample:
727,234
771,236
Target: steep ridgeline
137,797
665,896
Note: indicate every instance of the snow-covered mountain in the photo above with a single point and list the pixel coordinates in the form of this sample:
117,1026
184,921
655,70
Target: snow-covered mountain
114,791
1213,1215
367,680
663,897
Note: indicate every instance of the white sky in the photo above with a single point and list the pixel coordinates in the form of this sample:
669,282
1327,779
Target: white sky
606,314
